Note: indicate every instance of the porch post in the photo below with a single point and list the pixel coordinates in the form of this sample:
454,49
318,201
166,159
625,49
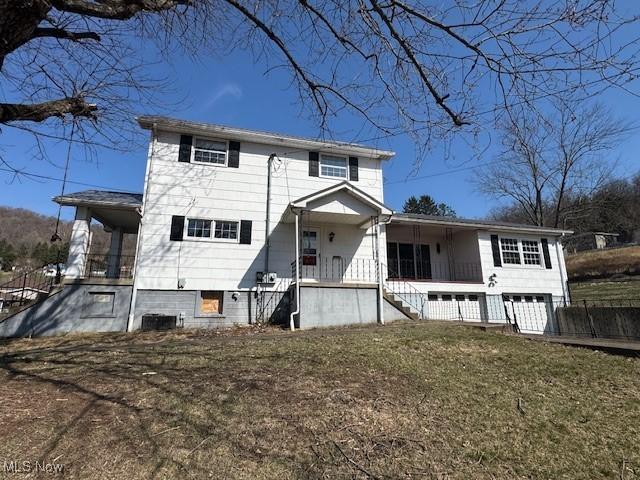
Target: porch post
292,322
115,251
380,276
79,243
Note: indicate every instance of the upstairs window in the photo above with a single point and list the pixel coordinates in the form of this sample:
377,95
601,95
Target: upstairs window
210,151
531,252
510,252
333,166
199,228
226,230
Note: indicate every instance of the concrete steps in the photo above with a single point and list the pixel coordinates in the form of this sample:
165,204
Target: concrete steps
400,305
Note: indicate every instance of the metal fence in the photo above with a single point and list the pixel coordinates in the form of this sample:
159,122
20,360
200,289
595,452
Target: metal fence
24,288
540,314
108,266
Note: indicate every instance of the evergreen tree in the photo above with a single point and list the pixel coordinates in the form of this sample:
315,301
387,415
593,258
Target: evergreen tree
426,205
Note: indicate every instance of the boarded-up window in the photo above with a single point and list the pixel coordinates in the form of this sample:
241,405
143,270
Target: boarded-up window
211,302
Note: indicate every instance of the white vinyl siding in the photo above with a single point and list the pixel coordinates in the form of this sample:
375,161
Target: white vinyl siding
333,166
210,151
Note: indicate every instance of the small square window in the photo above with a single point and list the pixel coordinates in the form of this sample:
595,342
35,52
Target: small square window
517,298
540,299
446,298
433,297
226,230
210,151
473,298
99,304
460,298
528,299
332,166
199,228
211,302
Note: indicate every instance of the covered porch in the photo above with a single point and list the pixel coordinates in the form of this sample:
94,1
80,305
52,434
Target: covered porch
119,214
432,249
338,236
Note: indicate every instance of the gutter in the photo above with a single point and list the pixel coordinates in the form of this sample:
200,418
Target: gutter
486,226
292,322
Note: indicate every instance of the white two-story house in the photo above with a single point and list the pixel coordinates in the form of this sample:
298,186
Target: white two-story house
237,226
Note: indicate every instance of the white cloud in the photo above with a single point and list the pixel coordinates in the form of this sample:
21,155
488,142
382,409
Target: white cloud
226,90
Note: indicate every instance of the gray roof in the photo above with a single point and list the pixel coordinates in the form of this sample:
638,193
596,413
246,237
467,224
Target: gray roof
259,136
469,222
101,197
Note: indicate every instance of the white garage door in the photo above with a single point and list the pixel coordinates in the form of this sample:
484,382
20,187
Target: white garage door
452,306
530,311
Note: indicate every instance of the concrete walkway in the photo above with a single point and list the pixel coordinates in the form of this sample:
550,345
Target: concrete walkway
618,347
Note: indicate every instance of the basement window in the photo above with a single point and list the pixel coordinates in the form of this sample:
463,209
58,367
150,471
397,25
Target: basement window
211,302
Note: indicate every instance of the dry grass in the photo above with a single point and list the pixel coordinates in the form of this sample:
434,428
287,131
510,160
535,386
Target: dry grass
605,290
604,263
407,401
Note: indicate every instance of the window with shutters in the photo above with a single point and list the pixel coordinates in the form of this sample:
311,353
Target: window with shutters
226,230
212,152
510,251
205,229
333,166
211,302
531,252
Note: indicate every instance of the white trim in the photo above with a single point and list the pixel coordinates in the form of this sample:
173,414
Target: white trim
210,139
346,166
212,238
344,185
522,264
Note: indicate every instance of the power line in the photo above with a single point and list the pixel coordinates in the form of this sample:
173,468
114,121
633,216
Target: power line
55,179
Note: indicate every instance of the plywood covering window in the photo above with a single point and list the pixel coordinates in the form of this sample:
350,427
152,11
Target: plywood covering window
211,302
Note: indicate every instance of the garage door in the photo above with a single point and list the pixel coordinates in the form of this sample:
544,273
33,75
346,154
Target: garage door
452,306
530,311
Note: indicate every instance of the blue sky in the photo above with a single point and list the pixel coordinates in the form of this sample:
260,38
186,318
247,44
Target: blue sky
235,91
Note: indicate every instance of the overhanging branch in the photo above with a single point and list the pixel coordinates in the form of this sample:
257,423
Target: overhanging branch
38,112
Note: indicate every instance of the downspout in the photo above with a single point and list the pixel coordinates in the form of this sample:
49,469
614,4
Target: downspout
292,323
267,238
380,276
561,267
136,261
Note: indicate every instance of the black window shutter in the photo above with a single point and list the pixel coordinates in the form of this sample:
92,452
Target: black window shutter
184,154
314,164
245,232
545,253
234,155
177,228
353,169
495,249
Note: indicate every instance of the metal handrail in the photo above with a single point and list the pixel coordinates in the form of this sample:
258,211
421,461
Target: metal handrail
270,305
404,290
25,288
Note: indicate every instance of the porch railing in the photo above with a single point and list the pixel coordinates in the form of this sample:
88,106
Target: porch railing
404,291
108,266
24,288
436,271
337,270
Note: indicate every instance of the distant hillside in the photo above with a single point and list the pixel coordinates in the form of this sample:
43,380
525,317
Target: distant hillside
24,234
20,226
604,263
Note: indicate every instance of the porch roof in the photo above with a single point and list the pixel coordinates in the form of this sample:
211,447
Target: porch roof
339,203
112,209
419,219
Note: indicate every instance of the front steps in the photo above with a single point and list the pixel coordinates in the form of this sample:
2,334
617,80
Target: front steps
400,305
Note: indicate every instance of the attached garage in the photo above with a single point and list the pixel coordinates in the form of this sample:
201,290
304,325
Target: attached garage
532,312
466,307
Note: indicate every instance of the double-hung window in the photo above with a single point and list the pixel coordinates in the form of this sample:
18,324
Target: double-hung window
531,252
510,251
210,151
333,166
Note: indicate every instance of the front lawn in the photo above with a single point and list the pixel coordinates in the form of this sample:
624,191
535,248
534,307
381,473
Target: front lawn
404,401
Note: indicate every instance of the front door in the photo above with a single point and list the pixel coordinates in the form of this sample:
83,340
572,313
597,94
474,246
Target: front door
407,265
310,250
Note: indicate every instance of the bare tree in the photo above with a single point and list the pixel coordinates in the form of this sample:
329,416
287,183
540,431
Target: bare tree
427,68
551,161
